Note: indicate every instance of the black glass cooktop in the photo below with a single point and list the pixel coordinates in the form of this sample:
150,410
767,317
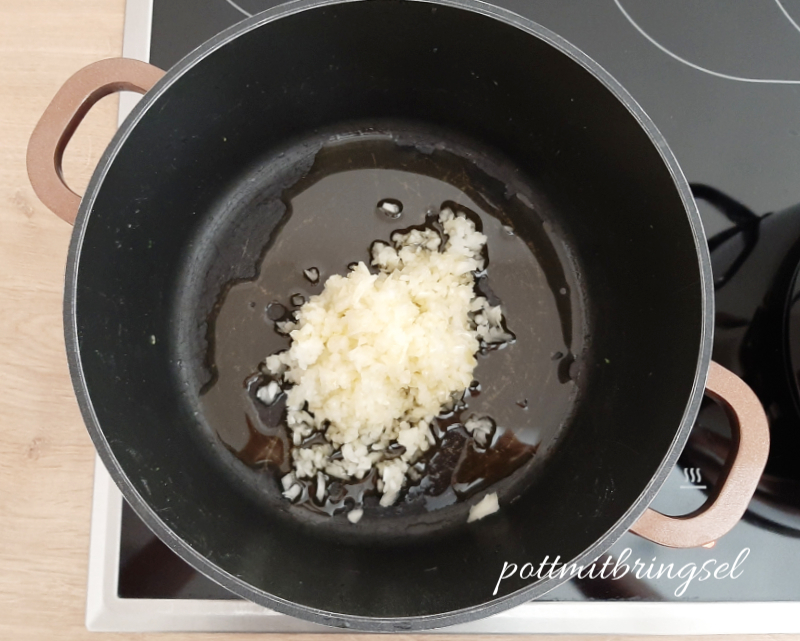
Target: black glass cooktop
721,80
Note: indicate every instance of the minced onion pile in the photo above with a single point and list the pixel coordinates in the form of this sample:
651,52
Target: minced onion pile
377,356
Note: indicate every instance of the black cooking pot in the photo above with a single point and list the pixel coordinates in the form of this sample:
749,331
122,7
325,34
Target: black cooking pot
187,201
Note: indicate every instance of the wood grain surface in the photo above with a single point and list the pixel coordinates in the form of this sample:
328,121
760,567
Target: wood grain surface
46,457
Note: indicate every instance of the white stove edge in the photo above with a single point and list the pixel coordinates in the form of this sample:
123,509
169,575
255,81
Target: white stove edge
107,612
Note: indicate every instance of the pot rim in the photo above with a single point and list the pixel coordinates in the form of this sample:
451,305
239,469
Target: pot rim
386,624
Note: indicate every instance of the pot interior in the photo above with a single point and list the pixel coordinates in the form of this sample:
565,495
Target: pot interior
188,204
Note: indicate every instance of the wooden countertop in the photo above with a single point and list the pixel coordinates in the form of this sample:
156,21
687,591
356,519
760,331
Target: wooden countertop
46,457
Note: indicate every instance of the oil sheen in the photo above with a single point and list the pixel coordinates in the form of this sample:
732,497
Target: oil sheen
363,186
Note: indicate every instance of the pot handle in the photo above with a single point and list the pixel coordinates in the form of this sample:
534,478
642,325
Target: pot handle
62,117
739,478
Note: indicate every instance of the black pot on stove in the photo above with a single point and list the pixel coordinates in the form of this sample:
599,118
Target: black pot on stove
159,235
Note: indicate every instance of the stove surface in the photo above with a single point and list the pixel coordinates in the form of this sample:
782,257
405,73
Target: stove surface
721,80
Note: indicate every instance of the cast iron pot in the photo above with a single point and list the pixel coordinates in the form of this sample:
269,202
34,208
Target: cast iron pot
158,205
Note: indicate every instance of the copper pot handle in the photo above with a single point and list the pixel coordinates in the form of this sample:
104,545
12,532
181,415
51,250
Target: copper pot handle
62,117
739,478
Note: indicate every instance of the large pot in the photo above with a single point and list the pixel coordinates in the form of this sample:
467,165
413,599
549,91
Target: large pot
163,226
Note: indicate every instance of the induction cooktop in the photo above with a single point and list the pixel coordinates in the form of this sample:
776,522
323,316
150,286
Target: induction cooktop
721,80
